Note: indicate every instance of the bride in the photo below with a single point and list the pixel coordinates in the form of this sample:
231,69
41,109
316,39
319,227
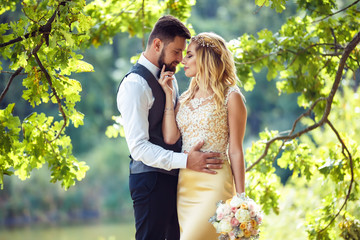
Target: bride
211,110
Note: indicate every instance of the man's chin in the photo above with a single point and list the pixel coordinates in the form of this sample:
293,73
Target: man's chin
171,68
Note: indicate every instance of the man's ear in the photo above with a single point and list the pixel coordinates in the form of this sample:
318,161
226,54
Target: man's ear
158,44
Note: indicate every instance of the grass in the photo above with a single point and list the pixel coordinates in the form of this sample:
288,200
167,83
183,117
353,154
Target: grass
121,231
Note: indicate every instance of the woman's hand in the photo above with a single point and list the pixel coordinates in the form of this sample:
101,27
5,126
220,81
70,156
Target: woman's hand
165,81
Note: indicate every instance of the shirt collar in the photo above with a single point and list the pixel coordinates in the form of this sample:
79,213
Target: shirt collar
150,66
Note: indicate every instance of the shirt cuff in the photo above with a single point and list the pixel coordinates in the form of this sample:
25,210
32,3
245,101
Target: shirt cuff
179,160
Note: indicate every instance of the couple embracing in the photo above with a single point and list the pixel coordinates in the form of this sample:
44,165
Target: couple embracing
186,151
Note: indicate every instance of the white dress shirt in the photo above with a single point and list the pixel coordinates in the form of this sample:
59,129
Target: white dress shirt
134,100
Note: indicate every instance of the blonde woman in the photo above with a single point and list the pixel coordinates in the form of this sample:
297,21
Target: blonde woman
211,110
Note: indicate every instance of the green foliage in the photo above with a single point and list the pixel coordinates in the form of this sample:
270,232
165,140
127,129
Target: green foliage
336,170
136,17
43,43
305,57
262,179
350,228
278,5
302,59
116,129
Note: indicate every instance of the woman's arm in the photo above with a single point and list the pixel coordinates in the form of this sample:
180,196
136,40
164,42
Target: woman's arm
170,129
237,124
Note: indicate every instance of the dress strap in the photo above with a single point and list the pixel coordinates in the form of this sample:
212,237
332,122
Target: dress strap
233,89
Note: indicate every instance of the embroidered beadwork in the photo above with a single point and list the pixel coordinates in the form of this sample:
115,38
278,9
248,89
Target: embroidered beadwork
198,120
196,102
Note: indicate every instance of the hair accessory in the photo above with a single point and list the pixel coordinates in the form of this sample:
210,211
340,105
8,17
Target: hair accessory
200,40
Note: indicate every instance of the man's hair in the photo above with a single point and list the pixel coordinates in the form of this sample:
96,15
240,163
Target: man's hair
167,28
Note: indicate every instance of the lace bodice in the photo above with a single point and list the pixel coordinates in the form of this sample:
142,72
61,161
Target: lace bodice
197,120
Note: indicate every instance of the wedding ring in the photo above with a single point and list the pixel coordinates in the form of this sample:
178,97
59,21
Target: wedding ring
207,166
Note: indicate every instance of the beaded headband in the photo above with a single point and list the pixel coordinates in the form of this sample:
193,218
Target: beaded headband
200,40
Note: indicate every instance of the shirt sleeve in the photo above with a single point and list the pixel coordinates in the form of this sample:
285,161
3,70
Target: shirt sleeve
134,99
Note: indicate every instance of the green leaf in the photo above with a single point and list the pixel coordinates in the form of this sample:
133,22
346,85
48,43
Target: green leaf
80,66
262,2
68,38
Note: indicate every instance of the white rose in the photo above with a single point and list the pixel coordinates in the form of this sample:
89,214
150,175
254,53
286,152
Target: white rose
236,201
216,226
225,226
242,215
220,209
223,209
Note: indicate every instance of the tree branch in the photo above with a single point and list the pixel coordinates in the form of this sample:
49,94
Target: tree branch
336,46
10,72
44,29
341,10
348,49
17,72
290,136
349,156
104,26
258,10
48,78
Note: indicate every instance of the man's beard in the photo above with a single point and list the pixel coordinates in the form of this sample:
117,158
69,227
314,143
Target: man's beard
168,67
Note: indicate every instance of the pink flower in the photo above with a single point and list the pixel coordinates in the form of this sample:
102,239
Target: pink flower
234,209
251,206
220,216
234,221
252,213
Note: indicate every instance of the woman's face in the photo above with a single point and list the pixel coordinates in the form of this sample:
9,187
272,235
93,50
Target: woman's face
189,61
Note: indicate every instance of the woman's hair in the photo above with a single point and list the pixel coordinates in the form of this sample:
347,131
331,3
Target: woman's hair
167,28
215,67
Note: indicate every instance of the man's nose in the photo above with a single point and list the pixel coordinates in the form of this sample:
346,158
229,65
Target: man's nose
180,58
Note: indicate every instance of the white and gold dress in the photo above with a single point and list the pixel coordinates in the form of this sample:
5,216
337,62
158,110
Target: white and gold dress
199,192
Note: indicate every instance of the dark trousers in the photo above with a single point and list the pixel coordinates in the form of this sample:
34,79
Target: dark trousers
154,202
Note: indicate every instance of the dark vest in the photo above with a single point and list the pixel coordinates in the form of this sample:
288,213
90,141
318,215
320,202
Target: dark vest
155,121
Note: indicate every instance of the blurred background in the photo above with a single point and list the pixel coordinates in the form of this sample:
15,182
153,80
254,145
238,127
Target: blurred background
99,207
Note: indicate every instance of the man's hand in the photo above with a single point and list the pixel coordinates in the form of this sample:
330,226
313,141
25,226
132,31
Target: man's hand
203,161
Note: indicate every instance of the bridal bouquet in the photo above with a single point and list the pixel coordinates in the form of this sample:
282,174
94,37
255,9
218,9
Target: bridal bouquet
237,218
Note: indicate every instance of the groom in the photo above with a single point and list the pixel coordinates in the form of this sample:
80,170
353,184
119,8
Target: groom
154,165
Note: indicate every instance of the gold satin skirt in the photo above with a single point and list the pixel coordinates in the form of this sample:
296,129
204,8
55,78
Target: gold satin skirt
198,194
